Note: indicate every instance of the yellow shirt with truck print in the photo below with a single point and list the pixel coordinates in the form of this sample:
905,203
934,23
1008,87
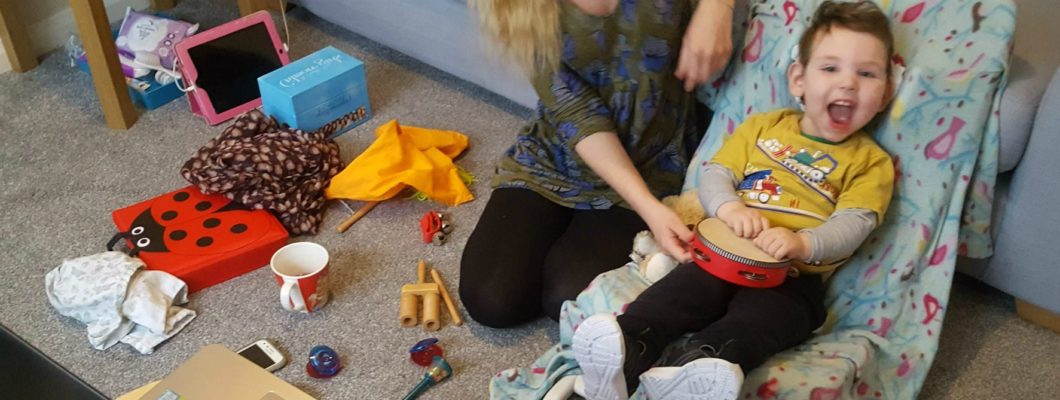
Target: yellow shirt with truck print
797,181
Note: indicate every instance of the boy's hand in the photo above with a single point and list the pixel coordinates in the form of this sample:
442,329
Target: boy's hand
783,244
745,222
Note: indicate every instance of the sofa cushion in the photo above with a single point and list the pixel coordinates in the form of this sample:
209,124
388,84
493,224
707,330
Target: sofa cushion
1024,264
1034,58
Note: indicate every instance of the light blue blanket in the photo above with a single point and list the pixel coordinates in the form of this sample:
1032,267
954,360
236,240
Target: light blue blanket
887,304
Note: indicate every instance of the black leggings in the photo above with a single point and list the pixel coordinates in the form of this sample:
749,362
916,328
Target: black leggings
528,255
739,324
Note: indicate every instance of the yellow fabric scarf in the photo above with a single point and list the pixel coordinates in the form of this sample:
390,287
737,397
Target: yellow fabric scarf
405,155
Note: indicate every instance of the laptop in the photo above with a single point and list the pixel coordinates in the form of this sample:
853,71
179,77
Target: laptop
216,372
27,373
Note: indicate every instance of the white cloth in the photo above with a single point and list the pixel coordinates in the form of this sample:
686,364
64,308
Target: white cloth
117,301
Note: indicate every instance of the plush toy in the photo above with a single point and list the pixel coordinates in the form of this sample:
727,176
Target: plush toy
653,262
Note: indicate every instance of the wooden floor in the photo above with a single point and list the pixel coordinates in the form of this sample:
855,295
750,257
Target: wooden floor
1037,315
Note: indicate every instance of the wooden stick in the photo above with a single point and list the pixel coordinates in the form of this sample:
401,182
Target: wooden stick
421,272
159,5
247,7
368,206
15,38
445,296
98,41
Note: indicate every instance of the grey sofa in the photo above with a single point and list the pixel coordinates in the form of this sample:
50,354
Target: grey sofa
443,33
1023,264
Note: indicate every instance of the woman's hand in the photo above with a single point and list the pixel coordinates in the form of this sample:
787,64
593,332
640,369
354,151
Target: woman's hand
783,244
606,156
746,222
671,234
707,43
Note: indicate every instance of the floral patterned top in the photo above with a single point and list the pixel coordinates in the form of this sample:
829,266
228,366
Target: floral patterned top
616,75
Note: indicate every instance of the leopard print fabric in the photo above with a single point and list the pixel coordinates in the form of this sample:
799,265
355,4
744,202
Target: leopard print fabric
264,165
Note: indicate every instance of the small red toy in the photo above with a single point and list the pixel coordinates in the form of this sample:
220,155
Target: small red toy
424,351
434,228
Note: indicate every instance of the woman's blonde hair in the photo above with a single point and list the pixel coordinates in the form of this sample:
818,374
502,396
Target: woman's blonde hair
525,30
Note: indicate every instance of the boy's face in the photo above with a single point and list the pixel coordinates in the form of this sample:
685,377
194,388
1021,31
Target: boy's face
843,85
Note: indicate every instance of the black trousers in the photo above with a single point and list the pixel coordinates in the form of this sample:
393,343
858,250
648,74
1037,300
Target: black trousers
739,324
528,255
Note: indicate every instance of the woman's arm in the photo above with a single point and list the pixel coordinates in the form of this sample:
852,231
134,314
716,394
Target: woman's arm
603,152
707,43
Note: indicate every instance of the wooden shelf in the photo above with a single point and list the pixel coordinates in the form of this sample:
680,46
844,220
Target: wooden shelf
94,28
98,41
15,39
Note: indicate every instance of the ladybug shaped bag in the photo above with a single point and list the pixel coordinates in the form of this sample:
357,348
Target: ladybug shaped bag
201,239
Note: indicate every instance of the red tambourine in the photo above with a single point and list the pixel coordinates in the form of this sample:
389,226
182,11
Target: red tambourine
718,250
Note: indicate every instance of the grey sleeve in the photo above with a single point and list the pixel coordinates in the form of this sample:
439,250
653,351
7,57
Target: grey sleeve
841,235
717,186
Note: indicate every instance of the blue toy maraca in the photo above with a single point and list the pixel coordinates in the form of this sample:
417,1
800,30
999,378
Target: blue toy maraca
438,371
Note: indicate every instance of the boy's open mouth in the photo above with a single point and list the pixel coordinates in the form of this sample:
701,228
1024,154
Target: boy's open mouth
840,112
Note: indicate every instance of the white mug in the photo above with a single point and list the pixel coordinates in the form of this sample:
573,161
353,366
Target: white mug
301,270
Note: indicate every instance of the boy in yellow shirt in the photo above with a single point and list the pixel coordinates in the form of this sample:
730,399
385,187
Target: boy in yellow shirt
807,186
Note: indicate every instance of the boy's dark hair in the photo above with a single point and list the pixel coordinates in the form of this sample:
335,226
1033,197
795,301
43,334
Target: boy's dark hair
861,16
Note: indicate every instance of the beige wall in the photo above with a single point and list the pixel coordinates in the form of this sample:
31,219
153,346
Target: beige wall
5,64
50,22
36,11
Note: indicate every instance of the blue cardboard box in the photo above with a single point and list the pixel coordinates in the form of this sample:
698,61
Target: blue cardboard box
317,89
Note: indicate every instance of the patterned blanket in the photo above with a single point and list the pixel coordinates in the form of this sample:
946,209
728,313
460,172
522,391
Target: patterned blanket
887,304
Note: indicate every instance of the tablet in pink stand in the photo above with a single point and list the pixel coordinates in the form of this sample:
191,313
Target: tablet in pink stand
222,65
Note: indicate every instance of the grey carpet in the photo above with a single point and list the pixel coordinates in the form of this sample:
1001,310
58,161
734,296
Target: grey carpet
63,172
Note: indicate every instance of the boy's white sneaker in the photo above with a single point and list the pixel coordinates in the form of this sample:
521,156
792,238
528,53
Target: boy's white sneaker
600,350
705,378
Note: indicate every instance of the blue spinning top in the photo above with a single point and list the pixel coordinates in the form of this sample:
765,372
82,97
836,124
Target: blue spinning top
323,362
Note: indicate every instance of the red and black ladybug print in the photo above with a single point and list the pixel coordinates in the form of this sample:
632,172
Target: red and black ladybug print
188,228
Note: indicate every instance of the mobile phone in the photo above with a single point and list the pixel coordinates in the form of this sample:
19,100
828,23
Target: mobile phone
264,354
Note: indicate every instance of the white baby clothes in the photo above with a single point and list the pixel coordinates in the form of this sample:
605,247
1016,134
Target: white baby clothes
118,301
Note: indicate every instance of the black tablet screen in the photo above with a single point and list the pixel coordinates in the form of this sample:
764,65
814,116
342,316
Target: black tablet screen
229,66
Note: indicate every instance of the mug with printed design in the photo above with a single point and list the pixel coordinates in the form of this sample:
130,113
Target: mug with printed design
301,270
